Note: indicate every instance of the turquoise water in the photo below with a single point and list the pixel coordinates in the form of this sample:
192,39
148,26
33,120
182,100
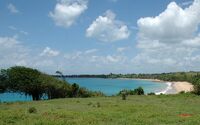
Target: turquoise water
107,86
11,97
113,86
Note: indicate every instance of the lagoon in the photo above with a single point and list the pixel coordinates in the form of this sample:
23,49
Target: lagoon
113,86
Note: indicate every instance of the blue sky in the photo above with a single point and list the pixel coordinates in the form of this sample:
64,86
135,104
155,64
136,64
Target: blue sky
100,36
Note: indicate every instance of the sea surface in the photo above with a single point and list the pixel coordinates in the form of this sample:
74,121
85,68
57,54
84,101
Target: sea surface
107,86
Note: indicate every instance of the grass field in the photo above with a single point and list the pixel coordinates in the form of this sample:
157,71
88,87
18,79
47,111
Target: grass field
136,110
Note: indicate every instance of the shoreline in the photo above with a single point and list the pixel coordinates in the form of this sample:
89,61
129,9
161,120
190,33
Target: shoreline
173,87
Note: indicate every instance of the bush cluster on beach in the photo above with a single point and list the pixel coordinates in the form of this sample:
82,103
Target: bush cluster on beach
137,91
37,84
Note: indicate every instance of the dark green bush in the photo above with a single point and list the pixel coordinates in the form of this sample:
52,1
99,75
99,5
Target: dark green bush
3,80
196,83
98,105
74,90
196,89
32,110
182,92
124,95
139,91
151,93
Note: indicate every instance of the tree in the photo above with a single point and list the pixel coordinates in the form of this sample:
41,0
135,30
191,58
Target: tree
25,80
139,91
55,88
3,80
74,89
61,75
124,95
196,83
83,92
36,84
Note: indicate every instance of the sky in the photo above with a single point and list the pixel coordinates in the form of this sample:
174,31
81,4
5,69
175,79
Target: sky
100,36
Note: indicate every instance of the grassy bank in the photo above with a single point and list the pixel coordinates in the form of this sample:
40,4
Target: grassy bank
136,110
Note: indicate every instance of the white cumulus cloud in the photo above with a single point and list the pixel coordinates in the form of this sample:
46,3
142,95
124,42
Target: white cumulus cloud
12,52
66,12
106,28
12,8
49,52
90,51
170,41
172,25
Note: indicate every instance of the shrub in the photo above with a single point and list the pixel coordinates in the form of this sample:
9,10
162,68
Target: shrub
124,94
182,92
32,110
84,93
98,105
139,91
74,89
196,83
196,89
151,93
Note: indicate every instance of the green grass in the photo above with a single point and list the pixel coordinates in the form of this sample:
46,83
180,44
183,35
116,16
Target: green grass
136,110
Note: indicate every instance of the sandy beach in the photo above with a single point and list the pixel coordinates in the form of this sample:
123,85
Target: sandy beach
182,86
153,80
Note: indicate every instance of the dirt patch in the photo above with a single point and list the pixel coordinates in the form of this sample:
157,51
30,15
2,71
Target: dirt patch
185,115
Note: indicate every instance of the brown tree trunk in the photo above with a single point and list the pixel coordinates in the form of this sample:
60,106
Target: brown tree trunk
35,97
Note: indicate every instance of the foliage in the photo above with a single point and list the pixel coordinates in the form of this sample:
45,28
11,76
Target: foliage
32,110
25,80
55,88
151,93
182,92
196,83
124,94
3,80
98,105
74,90
137,91
36,84
83,92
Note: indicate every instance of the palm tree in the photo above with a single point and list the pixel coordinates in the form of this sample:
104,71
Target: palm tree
61,75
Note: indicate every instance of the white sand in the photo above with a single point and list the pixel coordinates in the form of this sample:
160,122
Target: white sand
182,86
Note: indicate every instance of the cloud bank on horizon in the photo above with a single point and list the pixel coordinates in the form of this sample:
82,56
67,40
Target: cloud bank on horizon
167,42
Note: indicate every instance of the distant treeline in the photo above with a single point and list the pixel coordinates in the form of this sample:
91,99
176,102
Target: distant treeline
83,76
173,76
